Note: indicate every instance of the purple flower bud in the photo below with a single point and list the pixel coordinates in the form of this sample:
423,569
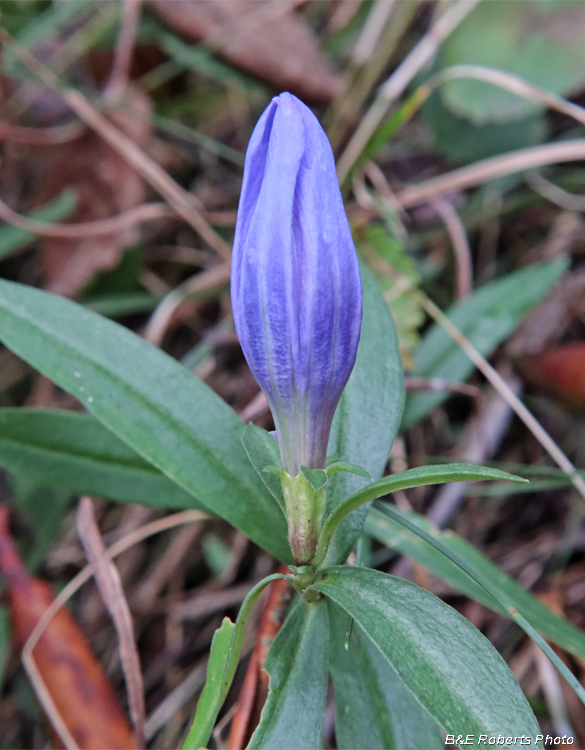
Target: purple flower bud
296,286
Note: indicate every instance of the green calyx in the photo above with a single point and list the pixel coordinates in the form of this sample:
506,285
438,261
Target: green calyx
304,497
304,500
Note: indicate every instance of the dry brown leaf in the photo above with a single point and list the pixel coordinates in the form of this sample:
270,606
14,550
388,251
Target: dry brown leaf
75,680
106,186
561,370
282,51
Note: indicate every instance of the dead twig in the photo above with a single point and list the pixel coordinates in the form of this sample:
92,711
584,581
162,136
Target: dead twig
440,385
555,194
140,214
456,230
490,169
155,175
124,50
165,567
510,82
507,394
110,587
202,283
176,699
168,522
208,602
53,136
393,88
480,440
257,406
372,31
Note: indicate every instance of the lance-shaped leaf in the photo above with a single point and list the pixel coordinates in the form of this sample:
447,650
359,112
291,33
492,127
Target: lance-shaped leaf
75,452
454,671
418,477
403,540
368,415
373,708
297,665
495,592
150,401
223,661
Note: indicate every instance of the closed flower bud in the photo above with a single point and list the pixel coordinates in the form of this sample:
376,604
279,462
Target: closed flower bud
296,287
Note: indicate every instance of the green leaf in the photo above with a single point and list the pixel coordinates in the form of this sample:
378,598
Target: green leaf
197,57
75,452
317,478
216,553
463,140
207,707
262,450
222,668
150,401
486,318
297,666
13,239
539,42
336,466
398,537
373,707
125,303
454,671
368,415
496,593
422,475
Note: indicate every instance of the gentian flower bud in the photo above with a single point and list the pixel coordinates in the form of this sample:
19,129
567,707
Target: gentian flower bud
296,286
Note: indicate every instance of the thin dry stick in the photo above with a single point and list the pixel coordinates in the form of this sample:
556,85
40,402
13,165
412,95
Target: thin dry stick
46,701
372,30
553,692
510,82
213,278
155,527
41,136
257,406
137,215
124,50
413,384
458,236
379,181
165,567
554,193
384,194
110,587
507,394
482,436
176,196
492,168
399,80
176,699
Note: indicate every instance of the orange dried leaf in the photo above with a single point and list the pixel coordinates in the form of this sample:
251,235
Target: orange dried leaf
73,676
562,369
